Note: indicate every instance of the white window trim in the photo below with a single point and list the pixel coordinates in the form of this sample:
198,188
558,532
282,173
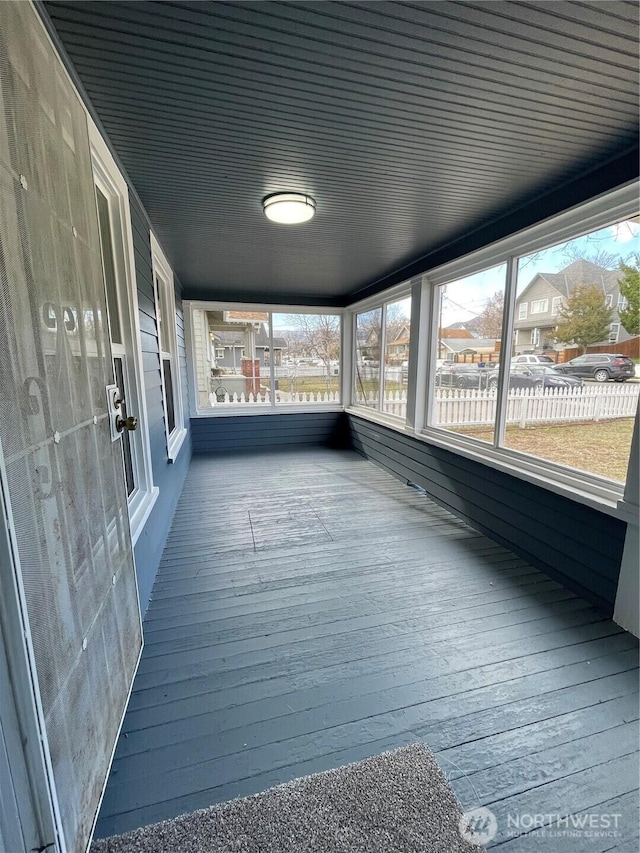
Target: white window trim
609,300
106,172
523,314
556,305
250,409
544,303
160,265
612,326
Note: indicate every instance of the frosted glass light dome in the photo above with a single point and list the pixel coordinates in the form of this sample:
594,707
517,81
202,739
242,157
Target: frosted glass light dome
289,208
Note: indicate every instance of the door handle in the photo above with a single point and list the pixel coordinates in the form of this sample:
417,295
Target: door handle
130,423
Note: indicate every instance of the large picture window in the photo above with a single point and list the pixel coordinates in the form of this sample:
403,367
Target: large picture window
256,359
527,351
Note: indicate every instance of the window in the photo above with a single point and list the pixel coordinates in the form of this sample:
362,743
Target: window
381,364
462,394
255,359
368,342
168,345
537,421
562,421
622,303
609,300
540,306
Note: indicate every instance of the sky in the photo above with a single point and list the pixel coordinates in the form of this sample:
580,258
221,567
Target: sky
468,296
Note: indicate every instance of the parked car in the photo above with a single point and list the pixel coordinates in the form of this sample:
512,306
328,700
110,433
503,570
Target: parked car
531,359
601,366
462,376
536,376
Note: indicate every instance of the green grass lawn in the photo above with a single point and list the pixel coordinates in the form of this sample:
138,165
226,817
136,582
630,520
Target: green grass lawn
598,447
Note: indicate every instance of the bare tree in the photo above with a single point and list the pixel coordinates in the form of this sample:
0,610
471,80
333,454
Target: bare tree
489,323
320,335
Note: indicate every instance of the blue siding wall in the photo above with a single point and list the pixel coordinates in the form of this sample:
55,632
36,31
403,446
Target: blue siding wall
167,476
262,432
574,544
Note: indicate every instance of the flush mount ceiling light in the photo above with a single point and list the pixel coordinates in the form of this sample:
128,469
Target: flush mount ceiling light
289,208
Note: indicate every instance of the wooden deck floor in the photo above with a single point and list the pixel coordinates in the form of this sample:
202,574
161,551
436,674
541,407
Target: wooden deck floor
310,611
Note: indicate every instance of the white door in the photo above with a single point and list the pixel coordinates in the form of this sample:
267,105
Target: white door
64,481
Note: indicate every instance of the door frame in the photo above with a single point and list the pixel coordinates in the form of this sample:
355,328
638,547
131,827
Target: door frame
23,722
111,182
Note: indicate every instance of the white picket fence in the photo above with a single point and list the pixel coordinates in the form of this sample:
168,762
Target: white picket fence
282,397
472,407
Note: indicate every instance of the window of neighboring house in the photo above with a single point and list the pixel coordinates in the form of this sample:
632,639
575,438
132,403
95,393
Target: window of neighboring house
540,306
460,390
523,311
535,337
614,332
609,300
622,303
283,358
556,305
168,345
515,337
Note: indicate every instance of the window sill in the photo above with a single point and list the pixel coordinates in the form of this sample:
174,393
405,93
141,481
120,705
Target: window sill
176,440
252,410
140,510
598,493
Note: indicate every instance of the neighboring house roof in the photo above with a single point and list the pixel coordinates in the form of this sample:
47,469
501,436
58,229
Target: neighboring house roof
470,325
234,338
262,339
461,345
458,332
578,272
401,335
229,339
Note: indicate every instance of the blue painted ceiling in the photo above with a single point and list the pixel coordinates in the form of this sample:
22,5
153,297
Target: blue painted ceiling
413,125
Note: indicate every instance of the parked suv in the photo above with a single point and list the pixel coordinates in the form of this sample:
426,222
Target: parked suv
531,359
601,366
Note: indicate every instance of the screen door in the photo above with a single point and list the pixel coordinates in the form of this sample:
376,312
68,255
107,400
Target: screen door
66,479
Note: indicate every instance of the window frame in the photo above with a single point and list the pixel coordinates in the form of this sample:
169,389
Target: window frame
404,290
556,305
614,339
583,487
162,273
250,409
109,179
523,315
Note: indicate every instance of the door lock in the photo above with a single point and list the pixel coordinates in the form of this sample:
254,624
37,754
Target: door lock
130,423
